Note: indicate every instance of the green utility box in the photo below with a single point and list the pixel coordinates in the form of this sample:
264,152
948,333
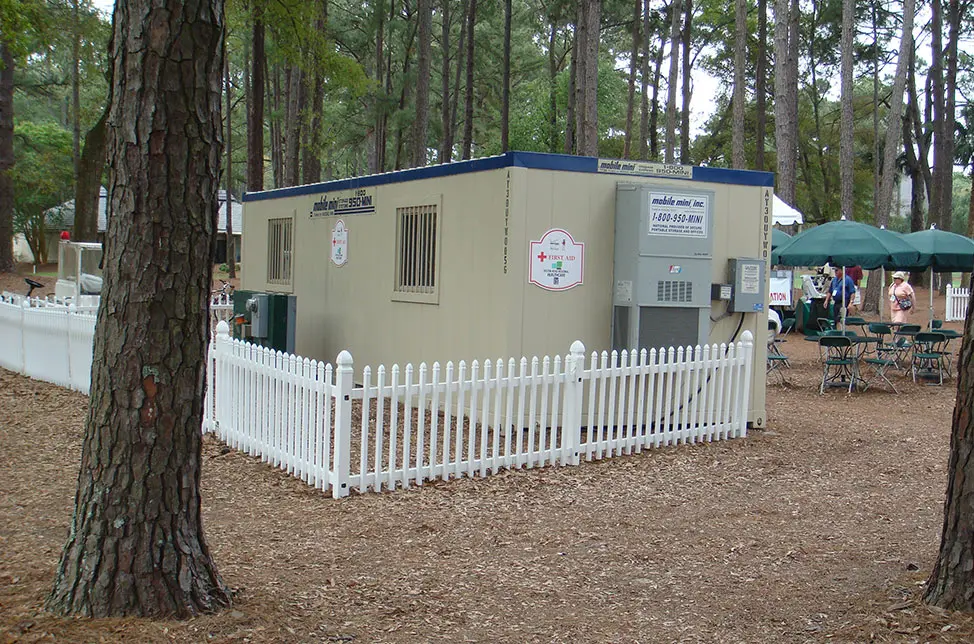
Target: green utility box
268,319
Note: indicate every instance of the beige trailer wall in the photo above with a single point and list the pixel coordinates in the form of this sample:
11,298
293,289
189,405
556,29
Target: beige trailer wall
487,308
354,307
584,205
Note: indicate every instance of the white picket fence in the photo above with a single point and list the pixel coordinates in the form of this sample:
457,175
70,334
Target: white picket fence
956,304
401,427
52,343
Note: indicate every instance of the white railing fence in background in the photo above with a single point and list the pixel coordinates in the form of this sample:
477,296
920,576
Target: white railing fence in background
956,304
401,427
51,343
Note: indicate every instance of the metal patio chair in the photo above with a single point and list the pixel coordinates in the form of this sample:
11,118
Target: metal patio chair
929,355
840,364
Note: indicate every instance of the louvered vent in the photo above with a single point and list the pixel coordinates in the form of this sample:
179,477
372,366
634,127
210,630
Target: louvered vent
674,291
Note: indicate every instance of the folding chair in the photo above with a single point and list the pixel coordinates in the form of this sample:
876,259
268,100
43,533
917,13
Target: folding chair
776,359
929,355
903,340
839,362
878,365
825,324
787,325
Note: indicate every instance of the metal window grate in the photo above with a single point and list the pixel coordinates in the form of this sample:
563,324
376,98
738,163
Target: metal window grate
279,247
416,249
674,291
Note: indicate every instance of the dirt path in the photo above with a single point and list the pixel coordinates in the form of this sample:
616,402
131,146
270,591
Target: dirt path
822,528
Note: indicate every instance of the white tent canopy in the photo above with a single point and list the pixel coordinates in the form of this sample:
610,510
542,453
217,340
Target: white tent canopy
785,215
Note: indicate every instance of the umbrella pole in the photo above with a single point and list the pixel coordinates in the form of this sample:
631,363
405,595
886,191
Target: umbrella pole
843,299
882,291
930,323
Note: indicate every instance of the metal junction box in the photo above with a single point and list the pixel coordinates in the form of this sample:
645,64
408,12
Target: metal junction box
748,285
662,266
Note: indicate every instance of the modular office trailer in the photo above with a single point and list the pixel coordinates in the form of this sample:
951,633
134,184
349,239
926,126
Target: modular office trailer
518,254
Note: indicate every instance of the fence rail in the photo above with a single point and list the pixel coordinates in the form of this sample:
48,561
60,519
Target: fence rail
404,426
956,304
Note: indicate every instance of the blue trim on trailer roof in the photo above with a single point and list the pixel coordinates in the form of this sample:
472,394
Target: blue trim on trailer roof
534,160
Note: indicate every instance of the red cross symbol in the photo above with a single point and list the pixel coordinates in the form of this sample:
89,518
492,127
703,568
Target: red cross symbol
542,256
334,241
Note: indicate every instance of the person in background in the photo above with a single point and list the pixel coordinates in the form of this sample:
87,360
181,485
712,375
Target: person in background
842,290
902,299
855,272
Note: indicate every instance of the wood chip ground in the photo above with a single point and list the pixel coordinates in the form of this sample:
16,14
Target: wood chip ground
822,528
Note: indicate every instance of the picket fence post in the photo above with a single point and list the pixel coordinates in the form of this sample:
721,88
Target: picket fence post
343,424
24,305
747,339
571,429
217,381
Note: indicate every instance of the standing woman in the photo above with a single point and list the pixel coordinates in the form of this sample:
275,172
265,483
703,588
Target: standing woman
901,297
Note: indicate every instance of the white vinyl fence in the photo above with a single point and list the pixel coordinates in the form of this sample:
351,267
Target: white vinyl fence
956,304
401,427
51,343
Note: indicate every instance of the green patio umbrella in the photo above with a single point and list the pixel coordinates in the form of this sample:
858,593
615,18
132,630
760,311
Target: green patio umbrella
942,252
846,243
779,238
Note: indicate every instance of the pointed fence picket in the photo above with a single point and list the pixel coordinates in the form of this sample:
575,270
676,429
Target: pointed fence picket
403,426
957,299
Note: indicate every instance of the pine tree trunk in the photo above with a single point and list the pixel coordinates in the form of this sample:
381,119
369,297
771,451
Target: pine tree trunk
654,108
423,66
461,57
90,171
951,584
687,91
76,90
644,93
783,117
311,159
633,64
552,87
295,111
950,112
740,50
846,127
506,81
136,545
669,153
231,257
446,153
571,136
760,86
468,100
255,113
588,109
938,104
6,158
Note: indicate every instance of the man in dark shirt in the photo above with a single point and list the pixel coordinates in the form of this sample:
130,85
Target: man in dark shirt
842,290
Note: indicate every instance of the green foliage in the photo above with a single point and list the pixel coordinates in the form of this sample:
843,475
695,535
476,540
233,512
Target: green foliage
42,176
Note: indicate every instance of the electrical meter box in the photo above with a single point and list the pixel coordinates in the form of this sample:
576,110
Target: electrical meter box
748,284
268,319
662,266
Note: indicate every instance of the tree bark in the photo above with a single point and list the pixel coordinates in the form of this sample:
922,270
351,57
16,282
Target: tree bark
552,86
950,111
468,97
311,159
423,66
846,137
587,108
6,158
446,153
76,90
951,584
687,87
783,117
740,49
136,545
760,86
633,64
571,135
669,153
91,168
231,257
506,81
255,113
644,93
940,168
461,49
654,108
292,137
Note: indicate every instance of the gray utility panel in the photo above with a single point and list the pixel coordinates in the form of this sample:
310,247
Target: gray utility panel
663,266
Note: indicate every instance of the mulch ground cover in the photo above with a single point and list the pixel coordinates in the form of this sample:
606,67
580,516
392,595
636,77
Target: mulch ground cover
824,527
